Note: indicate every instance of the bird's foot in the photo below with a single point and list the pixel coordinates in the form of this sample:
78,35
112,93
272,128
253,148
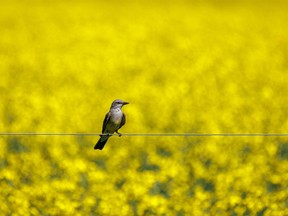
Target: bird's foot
119,134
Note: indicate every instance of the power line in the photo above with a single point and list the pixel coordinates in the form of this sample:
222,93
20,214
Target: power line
148,134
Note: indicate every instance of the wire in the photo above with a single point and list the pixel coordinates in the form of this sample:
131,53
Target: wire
149,134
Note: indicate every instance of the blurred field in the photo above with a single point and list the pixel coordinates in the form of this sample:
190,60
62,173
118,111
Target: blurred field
185,67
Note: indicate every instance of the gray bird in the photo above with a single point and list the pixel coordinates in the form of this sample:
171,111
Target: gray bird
113,121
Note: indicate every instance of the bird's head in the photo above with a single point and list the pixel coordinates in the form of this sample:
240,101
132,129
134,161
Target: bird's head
118,103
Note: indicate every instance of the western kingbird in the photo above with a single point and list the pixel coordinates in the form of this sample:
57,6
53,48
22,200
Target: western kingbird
113,121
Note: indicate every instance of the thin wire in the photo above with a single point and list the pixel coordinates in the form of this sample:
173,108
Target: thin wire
149,134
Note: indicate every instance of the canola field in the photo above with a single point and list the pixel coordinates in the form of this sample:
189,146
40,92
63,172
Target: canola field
184,66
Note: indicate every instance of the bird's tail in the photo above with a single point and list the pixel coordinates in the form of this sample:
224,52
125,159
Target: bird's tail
101,142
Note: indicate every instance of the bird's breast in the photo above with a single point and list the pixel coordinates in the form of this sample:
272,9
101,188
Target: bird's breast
116,116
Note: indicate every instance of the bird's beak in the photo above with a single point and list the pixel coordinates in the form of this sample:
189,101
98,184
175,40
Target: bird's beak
124,103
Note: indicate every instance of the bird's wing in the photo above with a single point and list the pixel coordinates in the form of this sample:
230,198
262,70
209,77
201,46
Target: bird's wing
106,120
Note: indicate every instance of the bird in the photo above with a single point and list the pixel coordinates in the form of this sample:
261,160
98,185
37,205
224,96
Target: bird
113,121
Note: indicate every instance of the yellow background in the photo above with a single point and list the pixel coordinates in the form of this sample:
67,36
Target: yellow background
184,66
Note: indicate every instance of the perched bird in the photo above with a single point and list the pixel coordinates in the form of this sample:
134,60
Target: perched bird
113,121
